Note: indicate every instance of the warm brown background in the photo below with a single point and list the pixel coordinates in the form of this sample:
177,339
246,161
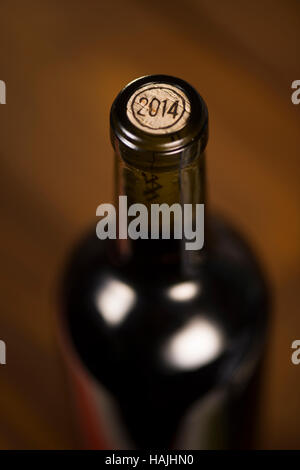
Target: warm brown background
63,62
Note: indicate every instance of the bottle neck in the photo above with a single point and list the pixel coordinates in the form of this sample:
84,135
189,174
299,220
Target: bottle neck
176,192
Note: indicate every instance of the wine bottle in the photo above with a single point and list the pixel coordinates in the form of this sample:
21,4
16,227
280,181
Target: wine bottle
164,337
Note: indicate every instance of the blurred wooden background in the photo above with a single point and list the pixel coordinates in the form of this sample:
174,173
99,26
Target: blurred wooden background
63,62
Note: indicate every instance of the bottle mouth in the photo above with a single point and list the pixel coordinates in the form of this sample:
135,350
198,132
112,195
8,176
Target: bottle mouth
158,117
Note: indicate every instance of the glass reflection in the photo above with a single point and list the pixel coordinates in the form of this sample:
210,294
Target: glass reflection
114,301
199,342
183,291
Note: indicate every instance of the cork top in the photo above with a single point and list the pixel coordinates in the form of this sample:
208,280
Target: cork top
158,116
158,109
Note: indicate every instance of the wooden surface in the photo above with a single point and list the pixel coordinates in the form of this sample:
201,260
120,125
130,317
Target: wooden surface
63,63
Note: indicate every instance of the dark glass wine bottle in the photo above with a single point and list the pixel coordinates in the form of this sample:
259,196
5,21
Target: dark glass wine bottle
165,341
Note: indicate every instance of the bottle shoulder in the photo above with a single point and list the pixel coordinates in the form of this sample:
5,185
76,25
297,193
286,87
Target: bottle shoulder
228,260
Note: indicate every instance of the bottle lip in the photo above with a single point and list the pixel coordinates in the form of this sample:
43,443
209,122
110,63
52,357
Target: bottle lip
136,139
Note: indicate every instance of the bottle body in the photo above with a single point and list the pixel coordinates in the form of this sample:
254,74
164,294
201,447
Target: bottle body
177,350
